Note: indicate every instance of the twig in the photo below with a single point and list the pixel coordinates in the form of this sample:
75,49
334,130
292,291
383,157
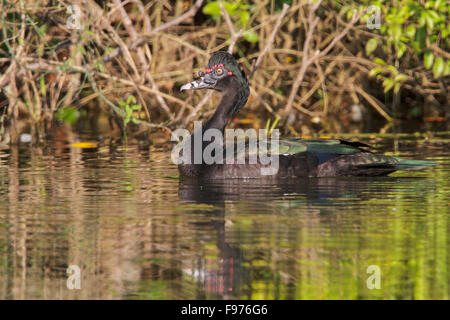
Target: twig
188,14
143,39
354,19
144,65
234,36
260,99
198,108
324,87
306,61
439,51
373,103
115,108
309,59
271,39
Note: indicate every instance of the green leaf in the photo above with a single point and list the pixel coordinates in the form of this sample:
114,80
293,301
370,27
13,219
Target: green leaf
89,33
434,15
371,45
349,15
411,31
375,71
379,61
131,99
422,19
392,69
251,36
400,77
396,32
438,67
447,68
438,3
245,16
41,51
446,31
274,124
41,31
344,9
212,9
428,59
429,20
43,87
388,84
420,37
401,49
231,7
128,111
68,114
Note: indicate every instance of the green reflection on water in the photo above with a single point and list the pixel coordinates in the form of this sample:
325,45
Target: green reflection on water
137,234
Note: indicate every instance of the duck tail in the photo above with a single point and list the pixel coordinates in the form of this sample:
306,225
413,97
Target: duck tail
413,164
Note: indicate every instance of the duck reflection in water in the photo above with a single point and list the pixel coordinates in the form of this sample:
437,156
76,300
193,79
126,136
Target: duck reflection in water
232,273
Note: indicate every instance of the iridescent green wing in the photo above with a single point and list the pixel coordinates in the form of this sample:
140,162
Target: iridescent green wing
328,146
325,148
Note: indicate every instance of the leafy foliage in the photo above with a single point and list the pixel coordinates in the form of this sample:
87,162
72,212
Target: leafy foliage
68,114
130,107
237,10
411,35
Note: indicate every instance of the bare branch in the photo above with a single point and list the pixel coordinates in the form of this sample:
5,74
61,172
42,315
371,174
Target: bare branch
342,34
198,108
234,36
144,65
372,101
308,59
140,41
188,14
305,63
271,39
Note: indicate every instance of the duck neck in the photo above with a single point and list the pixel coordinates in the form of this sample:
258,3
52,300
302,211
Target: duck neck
224,112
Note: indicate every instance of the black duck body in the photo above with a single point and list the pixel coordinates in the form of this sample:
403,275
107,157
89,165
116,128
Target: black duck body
297,158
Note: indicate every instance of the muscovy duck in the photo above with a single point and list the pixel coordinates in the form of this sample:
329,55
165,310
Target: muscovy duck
296,157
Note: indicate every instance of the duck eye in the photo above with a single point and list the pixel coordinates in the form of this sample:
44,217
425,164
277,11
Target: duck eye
219,71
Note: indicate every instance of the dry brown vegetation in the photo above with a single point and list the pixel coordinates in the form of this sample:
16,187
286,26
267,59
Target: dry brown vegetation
311,69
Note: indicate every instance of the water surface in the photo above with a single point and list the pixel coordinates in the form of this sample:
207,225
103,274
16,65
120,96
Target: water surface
137,232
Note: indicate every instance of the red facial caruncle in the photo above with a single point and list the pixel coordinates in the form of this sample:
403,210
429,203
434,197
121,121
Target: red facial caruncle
217,66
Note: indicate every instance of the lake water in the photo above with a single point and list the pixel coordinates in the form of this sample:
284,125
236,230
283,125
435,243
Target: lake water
136,232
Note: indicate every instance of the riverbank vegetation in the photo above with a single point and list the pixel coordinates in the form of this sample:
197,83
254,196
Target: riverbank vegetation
314,67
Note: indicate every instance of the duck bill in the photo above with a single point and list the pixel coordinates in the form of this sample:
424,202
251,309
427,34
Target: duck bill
200,83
